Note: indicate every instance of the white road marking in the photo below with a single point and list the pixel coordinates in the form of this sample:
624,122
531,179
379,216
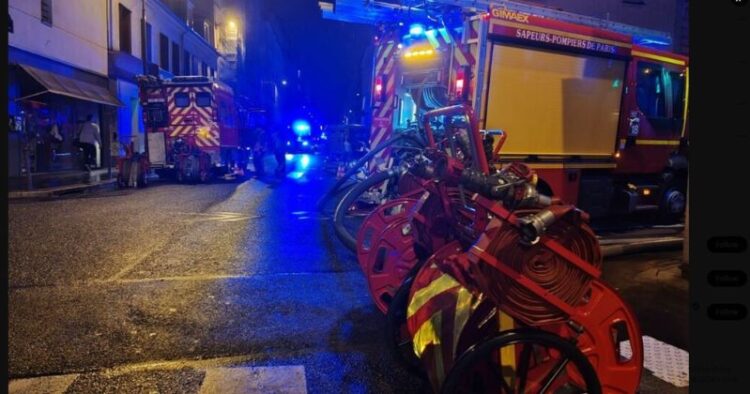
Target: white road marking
42,385
140,255
287,380
217,379
220,216
668,363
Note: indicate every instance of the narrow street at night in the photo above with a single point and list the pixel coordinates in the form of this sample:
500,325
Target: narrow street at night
348,196
169,287
244,271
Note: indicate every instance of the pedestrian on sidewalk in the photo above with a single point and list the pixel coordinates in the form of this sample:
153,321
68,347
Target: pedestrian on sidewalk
89,138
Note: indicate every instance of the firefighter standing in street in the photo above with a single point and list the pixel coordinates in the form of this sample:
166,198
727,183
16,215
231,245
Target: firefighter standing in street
259,147
278,144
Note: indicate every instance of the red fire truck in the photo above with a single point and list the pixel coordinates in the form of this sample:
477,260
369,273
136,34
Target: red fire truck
193,129
597,114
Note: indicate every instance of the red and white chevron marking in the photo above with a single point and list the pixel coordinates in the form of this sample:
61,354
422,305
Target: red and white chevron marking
192,120
382,124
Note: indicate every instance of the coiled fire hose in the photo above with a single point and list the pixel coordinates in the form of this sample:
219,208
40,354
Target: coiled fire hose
547,269
338,186
517,248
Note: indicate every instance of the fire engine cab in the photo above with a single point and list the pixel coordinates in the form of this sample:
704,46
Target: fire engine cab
589,104
192,127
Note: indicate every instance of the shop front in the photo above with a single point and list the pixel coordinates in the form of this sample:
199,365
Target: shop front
47,109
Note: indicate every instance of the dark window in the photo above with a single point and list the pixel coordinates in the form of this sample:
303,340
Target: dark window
204,69
186,64
149,55
163,51
207,31
125,39
226,114
47,12
175,58
203,99
181,100
661,95
156,115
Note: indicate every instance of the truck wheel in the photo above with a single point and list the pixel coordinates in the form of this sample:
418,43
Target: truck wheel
142,180
673,204
673,200
205,175
121,184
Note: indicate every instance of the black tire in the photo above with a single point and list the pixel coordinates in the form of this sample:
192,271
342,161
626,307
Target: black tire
481,351
142,180
180,175
402,348
327,206
673,194
347,237
205,176
336,188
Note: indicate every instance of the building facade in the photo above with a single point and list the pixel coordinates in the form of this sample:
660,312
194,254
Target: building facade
57,77
229,39
176,40
73,58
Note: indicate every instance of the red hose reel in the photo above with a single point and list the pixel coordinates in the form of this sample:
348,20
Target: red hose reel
552,284
517,279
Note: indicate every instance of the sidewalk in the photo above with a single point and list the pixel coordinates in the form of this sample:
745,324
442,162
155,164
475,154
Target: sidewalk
54,183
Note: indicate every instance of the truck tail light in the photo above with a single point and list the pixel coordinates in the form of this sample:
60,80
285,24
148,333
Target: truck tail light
461,83
460,79
379,93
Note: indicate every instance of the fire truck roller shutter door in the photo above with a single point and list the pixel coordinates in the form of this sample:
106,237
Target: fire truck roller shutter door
554,103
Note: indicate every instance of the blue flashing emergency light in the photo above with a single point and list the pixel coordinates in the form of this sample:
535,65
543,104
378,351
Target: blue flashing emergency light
304,161
301,163
416,29
301,127
653,42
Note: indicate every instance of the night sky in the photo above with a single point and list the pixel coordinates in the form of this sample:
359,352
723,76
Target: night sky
329,53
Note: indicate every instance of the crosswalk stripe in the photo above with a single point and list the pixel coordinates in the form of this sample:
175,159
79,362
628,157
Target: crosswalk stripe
286,380
668,363
42,385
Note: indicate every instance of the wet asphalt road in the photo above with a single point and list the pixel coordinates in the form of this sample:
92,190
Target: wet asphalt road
244,271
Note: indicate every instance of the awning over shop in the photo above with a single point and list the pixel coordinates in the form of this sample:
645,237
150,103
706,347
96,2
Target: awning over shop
64,86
